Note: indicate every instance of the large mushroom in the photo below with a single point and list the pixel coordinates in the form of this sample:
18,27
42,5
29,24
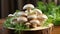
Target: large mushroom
37,11
35,23
22,19
20,14
28,7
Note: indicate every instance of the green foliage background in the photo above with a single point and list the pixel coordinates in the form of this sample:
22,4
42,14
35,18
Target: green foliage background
51,10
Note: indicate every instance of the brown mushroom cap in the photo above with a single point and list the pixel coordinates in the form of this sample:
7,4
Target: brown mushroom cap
32,16
22,19
35,22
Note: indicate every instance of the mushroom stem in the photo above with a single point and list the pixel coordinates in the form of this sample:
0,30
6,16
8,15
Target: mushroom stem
28,26
29,9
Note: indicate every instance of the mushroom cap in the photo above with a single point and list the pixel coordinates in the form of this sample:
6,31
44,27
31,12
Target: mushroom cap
42,16
28,6
13,21
22,19
27,23
10,15
38,11
21,14
31,11
32,16
35,21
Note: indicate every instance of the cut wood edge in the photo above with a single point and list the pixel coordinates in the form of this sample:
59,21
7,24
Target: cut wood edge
34,29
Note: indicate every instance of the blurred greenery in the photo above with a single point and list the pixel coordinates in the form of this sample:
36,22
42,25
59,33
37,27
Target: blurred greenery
51,10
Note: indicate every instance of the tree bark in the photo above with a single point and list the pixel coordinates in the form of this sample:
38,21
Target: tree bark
46,1
7,7
55,2
58,2
4,8
49,1
0,8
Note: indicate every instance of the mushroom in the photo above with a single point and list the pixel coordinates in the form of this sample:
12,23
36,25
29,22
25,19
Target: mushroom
10,15
37,11
22,19
35,23
21,14
28,7
31,12
42,17
28,24
13,23
32,17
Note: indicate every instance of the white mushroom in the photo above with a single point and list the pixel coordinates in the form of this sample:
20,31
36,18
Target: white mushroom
10,15
28,7
35,23
21,14
28,24
32,16
37,11
22,19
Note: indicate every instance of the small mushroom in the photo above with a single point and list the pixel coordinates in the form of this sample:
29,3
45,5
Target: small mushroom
28,24
10,15
28,7
35,23
14,21
37,11
22,19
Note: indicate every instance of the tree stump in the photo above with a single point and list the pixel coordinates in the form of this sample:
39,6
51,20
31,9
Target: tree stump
39,30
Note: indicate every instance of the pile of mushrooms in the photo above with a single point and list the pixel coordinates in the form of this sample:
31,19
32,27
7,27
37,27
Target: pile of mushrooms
31,17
